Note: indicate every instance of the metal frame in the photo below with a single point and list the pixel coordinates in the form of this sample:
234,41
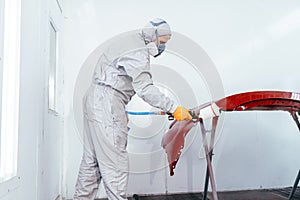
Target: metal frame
209,154
295,186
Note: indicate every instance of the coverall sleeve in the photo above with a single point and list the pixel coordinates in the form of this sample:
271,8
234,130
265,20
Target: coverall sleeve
137,66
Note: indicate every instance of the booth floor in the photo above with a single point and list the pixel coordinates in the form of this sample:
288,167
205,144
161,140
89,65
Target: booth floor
272,194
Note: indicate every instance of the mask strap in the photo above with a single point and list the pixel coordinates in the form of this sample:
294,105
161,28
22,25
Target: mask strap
158,23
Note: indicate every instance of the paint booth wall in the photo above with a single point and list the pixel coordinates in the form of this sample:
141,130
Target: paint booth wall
251,45
40,134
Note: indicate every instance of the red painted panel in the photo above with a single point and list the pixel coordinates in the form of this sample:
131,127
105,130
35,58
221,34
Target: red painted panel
261,100
173,140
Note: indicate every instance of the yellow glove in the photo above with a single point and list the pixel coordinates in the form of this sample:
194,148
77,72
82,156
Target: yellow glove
182,113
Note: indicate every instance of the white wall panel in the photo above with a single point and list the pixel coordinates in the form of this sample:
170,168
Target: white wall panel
39,146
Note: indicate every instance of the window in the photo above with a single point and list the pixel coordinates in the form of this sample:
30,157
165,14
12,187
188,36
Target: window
52,68
9,82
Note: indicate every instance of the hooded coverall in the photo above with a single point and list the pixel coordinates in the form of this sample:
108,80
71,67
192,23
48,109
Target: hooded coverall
122,71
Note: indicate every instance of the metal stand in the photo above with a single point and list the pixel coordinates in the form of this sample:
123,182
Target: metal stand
208,156
295,186
295,117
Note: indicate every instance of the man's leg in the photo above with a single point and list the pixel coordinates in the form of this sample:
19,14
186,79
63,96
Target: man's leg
109,135
110,148
89,175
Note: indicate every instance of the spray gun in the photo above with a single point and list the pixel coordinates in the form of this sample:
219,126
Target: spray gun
207,111
195,118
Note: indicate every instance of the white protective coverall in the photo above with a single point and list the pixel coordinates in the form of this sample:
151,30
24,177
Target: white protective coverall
122,71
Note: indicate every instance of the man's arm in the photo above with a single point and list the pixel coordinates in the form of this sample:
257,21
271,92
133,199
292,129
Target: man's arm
137,66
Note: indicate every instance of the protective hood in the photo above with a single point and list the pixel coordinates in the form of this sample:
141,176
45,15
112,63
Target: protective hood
156,26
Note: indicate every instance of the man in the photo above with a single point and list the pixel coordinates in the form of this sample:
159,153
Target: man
122,71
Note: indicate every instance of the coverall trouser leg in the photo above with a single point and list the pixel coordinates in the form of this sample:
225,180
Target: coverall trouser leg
105,141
